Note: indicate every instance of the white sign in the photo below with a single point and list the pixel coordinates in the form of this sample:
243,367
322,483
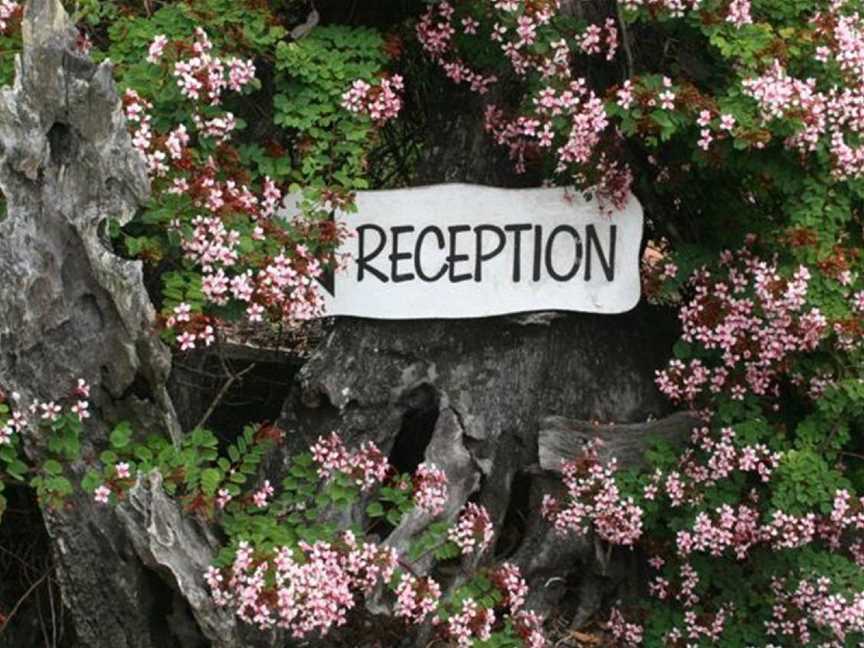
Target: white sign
458,251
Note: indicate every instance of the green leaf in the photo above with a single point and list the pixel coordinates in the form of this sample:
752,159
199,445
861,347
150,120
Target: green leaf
52,467
121,435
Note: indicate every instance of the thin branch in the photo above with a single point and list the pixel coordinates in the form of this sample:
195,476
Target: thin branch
22,599
625,40
231,380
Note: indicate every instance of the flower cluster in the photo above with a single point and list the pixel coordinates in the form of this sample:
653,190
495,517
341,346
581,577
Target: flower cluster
16,423
595,38
830,115
381,102
227,230
204,76
416,598
435,33
565,117
814,604
529,627
754,319
304,590
675,8
470,624
9,11
622,631
473,532
594,501
261,496
739,13
365,467
430,488
508,579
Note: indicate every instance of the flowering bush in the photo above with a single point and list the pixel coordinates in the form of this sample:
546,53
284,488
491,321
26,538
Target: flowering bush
285,565
744,139
737,123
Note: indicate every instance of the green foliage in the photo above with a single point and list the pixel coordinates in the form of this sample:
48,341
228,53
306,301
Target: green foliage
314,74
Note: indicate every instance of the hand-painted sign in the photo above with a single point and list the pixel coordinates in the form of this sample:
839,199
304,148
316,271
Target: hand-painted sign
458,251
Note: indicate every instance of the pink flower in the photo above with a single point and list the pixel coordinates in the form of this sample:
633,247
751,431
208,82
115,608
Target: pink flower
222,498
416,598
470,624
509,580
50,411
82,389
122,470
262,494
81,410
186,340
628,634
529,626
594,501
381,103
430,488
366,466
157,47
101,494
473,532
739,13
8,9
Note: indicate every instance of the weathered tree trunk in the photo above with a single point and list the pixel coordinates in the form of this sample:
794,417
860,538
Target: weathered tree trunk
472,396
70,309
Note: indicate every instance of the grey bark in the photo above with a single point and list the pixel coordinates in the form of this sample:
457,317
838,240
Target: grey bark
71,309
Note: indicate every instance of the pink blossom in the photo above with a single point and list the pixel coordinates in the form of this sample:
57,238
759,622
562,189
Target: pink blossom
739,13
366,466
8,9
122,470
473,531
509,581
262,494
101,494
470,624
627,634
157,47
430,488
186,341
381,103
416,598
594,501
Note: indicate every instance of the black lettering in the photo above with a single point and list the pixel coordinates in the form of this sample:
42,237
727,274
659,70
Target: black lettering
517,248
454,258
486,256
363,259
396,256
418,268
577,253
538,250
608,263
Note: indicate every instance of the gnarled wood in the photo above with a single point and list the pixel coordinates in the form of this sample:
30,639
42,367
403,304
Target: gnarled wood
70,309
562,439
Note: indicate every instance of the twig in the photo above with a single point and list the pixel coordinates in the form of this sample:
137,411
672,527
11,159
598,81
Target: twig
231,380
53,615
22,599
625,40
